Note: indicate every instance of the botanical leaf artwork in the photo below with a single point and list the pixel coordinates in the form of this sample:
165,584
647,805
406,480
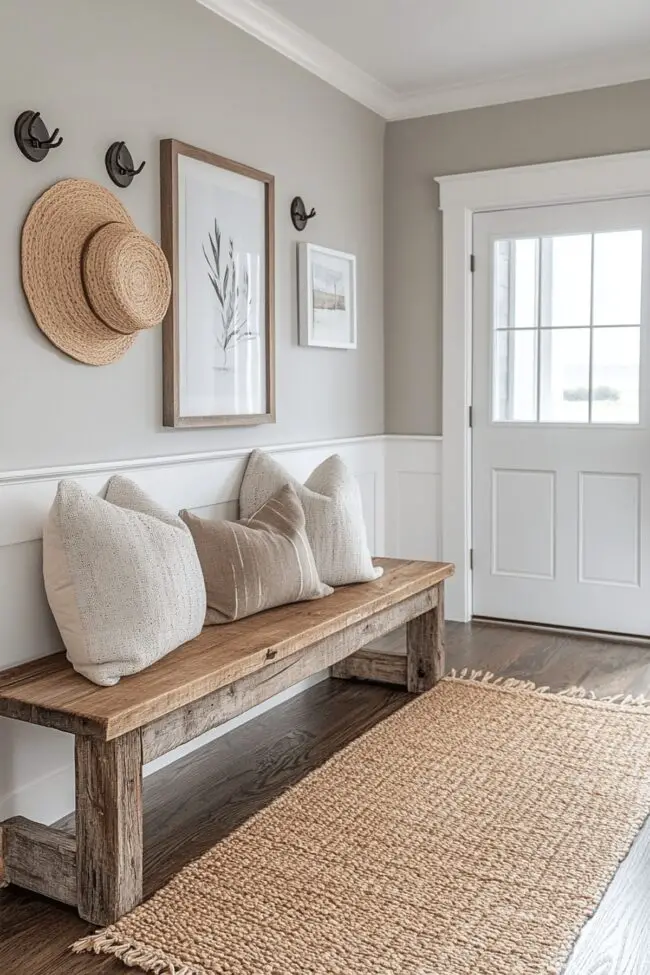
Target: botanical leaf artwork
234,302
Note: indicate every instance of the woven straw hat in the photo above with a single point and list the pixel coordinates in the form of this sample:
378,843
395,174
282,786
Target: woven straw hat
92,280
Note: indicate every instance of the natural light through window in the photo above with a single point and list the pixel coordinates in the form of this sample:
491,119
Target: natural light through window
567,324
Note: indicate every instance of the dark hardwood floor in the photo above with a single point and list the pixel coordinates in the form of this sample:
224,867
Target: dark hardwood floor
201,798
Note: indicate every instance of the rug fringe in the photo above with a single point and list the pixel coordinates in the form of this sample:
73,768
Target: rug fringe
133,954
573,693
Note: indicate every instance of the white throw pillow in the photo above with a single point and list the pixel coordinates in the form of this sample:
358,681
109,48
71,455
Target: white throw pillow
331,500
122,578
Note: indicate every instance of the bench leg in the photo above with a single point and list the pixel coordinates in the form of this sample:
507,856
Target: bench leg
425,647
109,826
424,663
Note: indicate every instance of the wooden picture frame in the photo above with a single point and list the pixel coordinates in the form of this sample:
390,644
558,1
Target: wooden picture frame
219,331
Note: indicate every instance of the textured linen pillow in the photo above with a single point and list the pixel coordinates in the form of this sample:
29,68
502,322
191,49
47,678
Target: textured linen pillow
333,513
256,564
122,578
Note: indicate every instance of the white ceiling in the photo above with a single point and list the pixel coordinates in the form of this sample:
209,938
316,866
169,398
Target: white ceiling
413,57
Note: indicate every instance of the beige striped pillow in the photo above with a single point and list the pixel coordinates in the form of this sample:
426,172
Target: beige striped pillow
258,563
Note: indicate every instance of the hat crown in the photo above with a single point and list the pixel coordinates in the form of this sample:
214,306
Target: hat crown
126,278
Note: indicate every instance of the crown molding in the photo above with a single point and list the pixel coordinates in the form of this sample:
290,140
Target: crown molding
299,46
557,79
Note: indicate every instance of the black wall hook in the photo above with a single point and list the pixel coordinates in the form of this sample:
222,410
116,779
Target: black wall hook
119,164
299,214
32,137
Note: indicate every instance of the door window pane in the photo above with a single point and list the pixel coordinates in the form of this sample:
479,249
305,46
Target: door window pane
615,375
515,375
526,262
564,375
515,283
502,265
617,277
574,302
568,267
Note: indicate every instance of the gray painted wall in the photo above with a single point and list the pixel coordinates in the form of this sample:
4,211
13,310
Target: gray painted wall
589,123
142,70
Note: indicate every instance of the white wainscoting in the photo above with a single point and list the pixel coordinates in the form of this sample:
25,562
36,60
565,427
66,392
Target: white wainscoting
399,479
413,497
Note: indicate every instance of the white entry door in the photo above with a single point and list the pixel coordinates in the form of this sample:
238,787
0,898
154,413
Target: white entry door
561,401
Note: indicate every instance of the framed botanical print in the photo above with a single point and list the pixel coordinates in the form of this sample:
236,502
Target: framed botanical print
327,310
217,223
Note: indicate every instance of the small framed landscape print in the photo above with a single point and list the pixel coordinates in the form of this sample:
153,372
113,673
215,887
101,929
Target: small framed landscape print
327,297
217,223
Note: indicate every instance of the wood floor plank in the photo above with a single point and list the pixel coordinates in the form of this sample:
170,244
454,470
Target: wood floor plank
617,941
232,778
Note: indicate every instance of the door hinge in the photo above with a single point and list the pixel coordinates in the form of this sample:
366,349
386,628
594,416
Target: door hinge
471,559
472,263
470,417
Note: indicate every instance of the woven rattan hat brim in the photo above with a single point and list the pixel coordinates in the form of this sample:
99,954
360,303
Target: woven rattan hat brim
53,239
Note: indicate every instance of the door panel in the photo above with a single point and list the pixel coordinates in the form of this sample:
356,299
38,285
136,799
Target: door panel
523,523
609,516
561,441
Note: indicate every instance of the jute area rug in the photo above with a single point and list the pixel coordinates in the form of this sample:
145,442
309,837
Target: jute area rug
471,833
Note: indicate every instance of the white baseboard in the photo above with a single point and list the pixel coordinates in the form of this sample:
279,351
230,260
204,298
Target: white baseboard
399,480
45,799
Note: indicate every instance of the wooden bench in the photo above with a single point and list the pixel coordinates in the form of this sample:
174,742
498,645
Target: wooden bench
222,673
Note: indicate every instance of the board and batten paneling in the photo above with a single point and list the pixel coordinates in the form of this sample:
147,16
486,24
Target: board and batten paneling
413,497
398,478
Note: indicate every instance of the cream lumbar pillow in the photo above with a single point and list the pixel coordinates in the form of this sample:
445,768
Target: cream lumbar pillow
258,563
122,578
333,514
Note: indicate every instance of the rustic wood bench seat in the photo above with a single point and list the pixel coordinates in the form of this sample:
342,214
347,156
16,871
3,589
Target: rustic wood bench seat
223,672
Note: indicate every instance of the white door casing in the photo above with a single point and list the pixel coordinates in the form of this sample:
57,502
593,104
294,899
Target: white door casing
461,196
561,433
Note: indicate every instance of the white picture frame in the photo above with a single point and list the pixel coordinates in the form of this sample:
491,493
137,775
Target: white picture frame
327,297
